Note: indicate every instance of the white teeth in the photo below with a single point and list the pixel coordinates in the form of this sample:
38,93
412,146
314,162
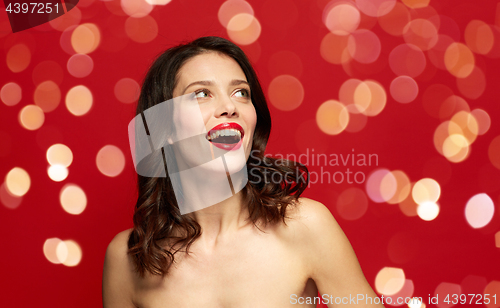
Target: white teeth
225,132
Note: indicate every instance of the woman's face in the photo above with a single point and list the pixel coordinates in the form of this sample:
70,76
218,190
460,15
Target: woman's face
223,96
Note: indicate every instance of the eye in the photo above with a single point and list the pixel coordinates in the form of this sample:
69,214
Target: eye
242,93
201,93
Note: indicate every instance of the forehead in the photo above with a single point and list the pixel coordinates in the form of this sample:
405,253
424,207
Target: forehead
210,66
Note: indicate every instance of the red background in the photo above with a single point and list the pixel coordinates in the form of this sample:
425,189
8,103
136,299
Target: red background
445,249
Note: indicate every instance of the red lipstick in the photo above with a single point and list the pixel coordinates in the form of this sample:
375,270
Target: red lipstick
227,136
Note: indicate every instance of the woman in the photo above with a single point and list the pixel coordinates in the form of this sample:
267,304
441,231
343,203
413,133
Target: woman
263,245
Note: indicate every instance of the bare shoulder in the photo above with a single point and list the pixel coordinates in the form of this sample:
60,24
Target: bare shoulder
118,276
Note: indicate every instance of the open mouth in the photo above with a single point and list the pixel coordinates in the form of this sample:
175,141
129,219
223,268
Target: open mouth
226,136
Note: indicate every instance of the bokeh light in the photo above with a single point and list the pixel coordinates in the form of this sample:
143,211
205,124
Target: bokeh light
403,187
286,92
444,289
428,210
493,289
479,37
18,58
426,190
80,65
494,152
47,70
459,60
352,203
141,30
479,210
31,117
396,20
59,154
136,8
85,38
57,173
17,181
474,85
332,117
9,200
407,60
79,100
483,120
364,46
244,29
73,199
69,253
11,94
421,33
404,89
333,49
389,280
127,90
49,249
47,96
110,160
375,8
381,185
231,8
342,19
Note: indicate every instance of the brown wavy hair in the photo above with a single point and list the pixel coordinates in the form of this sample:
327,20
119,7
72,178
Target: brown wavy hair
157,218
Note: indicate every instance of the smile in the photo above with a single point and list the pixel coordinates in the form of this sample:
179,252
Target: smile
226,136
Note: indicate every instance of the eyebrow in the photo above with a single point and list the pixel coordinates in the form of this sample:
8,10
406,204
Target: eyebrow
234,82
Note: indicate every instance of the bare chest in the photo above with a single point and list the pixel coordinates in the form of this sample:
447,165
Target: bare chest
260,272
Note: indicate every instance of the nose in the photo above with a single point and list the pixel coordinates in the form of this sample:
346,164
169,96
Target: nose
225,107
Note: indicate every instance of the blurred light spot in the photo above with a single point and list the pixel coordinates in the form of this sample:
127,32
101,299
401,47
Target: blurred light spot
364,46
57,173
436,53
110,160
69,253
73,199
31,117
497,239
127,90
441,133
285,62
433,99
80,65
403,187
342,19
357,121
408,206
426,190
231,8
86,38
50,249
415,4
17,182
421,33
47,70
158,2
375,8
244,29
355,95
493,289
483,120
47,96
378,98
9,200
407,60
136,8
381,185
141,30
334,49
286,92
389,280
473,284
60,154
65,40
416,302
405,292
444,289
479,210
459,60
72,17
467,124
11,94
456,148
396,20
479,37
494,152
404,89
332,117
428,210
451,106
352,203
79,100
18,58
473,85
